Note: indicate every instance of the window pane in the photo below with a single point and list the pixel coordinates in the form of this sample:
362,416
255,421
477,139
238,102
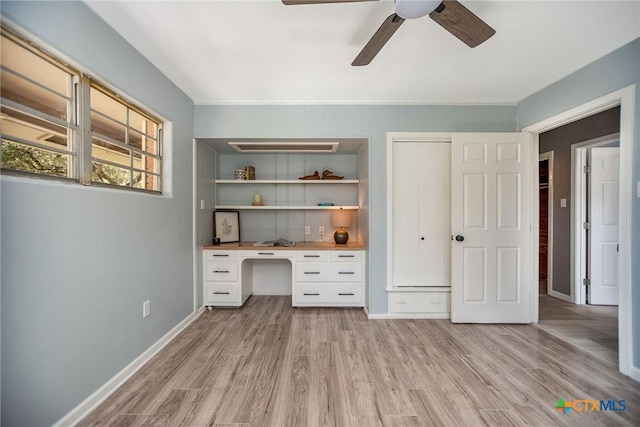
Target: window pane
109,174
139,179
143,125
135,139
36,68
111,153
108,106
146,181
30,95
109,128
143,142
21,126
31,159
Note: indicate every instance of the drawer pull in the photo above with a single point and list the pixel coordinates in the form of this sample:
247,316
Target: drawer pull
346,272
220,254
221,271
311,256
311,272
401,302
345,294
346,256
221,293
265,253
311,294
435,302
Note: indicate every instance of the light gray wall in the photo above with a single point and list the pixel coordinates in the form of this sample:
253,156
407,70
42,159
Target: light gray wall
363,202
205,193
77,262
612,72
559,141
373,122
288,224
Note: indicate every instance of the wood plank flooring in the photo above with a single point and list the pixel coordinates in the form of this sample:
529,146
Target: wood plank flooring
593,328
268,364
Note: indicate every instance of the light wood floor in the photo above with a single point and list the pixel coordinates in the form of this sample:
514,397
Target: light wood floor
268,364
594,328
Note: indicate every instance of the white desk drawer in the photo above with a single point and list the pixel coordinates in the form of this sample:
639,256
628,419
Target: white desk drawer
220,255
221,271
330,272
329,293
345,293
419,302
221,293
312,256
266,253
346,256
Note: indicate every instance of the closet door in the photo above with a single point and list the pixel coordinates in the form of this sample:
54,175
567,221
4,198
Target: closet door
421,214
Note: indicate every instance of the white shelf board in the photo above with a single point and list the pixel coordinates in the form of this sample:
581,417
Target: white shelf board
287,181
245,207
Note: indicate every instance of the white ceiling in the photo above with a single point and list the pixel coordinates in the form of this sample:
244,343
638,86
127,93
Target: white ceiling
263,52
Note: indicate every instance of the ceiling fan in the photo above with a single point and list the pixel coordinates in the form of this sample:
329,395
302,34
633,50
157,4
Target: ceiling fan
450,14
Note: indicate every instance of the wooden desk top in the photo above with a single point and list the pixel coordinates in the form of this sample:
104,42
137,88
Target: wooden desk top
300,246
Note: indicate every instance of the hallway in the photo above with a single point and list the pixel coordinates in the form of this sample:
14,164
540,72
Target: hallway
592,328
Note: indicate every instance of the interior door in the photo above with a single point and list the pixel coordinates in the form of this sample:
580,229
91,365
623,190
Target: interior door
603,209
421,217
491,226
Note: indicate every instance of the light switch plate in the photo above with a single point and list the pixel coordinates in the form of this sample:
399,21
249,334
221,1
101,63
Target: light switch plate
563,203
638,189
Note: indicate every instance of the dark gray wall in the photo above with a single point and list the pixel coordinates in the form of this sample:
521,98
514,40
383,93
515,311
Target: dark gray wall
619,69
77,262
559,141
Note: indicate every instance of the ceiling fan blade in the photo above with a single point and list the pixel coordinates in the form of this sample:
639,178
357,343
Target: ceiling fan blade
297,2
462,23
379,39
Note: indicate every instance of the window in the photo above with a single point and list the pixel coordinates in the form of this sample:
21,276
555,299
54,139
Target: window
46,131
125,144
36,111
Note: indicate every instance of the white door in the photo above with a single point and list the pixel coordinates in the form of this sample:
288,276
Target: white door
491,227
421,214
603,208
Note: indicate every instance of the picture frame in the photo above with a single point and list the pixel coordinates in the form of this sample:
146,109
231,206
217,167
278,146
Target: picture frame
226,226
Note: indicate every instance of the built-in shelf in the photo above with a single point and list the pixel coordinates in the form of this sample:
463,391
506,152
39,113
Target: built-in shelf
287,181
245,207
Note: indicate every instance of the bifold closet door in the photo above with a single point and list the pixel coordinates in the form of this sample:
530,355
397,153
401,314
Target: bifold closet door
421,213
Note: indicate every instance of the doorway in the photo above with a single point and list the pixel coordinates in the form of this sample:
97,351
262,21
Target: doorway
624,99
586,321
545,218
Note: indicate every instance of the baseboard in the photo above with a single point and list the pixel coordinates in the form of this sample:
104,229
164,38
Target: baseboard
366,311
558,295
90,403
391,316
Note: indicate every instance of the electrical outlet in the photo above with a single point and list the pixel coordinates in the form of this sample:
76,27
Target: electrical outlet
307,230
321,231
146,308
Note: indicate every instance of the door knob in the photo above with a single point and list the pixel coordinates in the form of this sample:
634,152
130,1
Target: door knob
422,238
459,238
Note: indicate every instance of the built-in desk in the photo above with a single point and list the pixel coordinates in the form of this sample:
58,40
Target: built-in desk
323,274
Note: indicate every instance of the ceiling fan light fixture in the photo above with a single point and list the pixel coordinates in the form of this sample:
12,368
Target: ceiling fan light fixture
411,9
